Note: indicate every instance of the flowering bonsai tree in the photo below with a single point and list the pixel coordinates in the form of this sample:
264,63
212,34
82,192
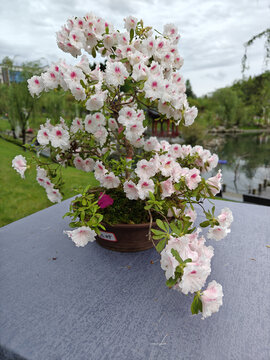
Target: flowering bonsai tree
160,182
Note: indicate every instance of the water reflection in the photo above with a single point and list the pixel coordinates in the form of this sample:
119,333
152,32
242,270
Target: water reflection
248,160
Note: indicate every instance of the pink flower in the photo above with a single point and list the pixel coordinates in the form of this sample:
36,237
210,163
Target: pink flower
218,232
153,87
144,187
76,125
131,190
167,165
81,236
211,299
191,214
167,188
145,169
186,150
78,163
130,22
225,218
194,277
96,101
104,201
110,181
112,124
214,183
35,85
53,195
193,178
19,164
100,170
59,137
168,263
175,151
190,115
152,144
212,162
115,73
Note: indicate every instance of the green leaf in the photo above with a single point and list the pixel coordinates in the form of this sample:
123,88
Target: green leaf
157,232
124,60
83,202
160,224
148,207
94,54
131,33
204,224
82,215
158,237
171,282
167,228
196,305
151,195
160,246
175,229
74,224
175,253
83,84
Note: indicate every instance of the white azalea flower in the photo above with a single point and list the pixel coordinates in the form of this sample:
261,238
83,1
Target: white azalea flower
76,125
43,135
19,164
211,299
109,181
59,138
218,232
130,22
225,218
144,187
131,190
81,236
145,169
115,73
193,178
53,195
194,277
35,85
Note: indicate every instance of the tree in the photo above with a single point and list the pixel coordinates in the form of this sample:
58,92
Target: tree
20,102
227,105
7,62
189,91
264,34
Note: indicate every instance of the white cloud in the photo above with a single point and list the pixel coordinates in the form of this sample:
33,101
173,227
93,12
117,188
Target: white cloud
213,31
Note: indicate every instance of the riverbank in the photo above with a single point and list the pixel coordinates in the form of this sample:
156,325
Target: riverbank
235,130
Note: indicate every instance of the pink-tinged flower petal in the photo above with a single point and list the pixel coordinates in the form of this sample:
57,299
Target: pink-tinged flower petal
19,164
211,299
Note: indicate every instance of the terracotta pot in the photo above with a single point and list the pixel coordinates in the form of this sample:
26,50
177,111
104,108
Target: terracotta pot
126,237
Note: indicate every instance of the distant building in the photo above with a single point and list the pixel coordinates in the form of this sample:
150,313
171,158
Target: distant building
8,76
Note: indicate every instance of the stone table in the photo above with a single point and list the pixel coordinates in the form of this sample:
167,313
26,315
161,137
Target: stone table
62,302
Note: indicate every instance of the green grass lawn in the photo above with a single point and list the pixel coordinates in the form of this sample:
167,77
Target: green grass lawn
4,125
21,197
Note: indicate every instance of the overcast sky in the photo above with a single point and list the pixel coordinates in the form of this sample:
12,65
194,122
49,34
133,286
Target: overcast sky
212,31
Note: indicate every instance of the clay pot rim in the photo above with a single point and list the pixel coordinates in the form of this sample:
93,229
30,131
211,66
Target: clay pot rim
129,226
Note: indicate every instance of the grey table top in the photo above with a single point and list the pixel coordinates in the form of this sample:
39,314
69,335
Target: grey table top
91,303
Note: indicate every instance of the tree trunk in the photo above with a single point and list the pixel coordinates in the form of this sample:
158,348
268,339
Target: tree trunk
14,133
23,135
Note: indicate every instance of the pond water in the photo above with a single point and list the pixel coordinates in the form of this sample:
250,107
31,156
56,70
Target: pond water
248,160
